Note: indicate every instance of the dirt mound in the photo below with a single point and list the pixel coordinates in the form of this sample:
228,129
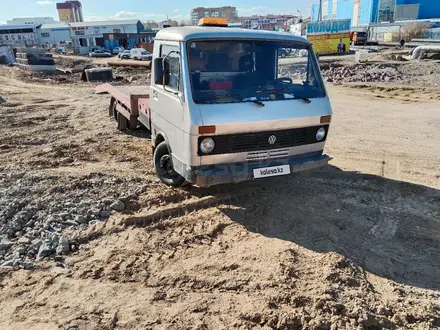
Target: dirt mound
363,73
72,62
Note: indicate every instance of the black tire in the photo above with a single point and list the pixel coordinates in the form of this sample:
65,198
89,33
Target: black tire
163,165
121,122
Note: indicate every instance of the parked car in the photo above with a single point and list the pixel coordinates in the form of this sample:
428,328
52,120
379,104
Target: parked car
100,53
124,55
140,54
282,53
117,50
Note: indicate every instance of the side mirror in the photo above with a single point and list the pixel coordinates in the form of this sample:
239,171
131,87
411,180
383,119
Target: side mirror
158,71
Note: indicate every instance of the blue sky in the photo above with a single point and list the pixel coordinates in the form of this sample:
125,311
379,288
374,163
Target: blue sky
148,10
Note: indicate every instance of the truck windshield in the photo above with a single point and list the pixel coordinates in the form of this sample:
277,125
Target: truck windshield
247,70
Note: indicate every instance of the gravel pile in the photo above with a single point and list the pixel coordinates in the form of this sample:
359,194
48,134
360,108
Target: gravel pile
36,212
363,73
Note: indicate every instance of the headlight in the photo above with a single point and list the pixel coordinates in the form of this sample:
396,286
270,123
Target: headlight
320,135
207,145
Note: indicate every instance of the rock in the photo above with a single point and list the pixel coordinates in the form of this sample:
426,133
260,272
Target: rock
71,223
47,150
63,245
19,233
5,245
118,206
20,250
95,211
28,265
9,263
44,251
142,189
66,160
24,240
80,219
36,243
64,215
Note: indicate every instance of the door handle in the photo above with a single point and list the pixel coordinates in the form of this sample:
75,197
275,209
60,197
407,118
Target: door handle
155,94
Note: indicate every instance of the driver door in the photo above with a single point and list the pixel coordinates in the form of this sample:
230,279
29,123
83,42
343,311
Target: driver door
165,100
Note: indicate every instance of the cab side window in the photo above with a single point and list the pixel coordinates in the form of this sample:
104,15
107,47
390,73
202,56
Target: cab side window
171,66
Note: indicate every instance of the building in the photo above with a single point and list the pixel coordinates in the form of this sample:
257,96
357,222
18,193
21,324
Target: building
365,12
168,23
151,25
20,35
416,9
87,36
30,20
112,40
267,22
228,12
70,11
54,34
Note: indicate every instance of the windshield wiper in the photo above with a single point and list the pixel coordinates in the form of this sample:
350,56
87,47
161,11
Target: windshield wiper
305,99
261,104
253,99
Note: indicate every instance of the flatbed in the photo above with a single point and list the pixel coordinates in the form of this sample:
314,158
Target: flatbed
129,105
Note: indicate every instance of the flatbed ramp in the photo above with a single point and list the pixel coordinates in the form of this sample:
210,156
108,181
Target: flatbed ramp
129,105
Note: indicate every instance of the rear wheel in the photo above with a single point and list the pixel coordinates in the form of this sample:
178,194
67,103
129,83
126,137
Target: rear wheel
121,121
163,164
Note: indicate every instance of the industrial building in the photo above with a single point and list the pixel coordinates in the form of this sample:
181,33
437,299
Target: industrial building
87,36
20,35
228,12
30,20
70,12
365,12
53,34
126,40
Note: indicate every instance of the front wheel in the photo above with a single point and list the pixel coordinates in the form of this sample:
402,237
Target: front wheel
163,165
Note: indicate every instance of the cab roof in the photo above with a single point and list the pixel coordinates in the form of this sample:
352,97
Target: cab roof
204,32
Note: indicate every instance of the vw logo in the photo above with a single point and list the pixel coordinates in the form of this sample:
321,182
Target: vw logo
272,139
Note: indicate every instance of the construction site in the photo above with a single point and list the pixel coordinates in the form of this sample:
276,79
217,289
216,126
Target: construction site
110,219
91,239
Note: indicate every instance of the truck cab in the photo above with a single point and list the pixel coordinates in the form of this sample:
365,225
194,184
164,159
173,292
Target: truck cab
229,105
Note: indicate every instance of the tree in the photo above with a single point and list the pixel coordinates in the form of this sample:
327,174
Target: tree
185,22
413,31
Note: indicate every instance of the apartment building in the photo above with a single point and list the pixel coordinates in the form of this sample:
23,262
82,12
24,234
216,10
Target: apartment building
228,12
70,12
267,22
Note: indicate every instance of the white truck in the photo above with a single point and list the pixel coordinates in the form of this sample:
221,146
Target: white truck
222,107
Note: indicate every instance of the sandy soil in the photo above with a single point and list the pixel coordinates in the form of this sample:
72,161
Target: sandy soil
351,246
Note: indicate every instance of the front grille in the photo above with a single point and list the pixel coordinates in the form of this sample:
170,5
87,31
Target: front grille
269,154
259,141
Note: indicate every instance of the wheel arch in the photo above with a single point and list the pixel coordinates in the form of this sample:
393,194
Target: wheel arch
159,137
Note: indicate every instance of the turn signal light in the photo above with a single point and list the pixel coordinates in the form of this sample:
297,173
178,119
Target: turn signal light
326,119
207,129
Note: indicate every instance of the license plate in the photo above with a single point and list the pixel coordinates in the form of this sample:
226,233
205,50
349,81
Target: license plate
271,171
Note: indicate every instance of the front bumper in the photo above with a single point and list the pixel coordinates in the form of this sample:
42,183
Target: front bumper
205,176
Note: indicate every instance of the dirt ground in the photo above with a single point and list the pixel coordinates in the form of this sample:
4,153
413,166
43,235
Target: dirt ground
352,246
